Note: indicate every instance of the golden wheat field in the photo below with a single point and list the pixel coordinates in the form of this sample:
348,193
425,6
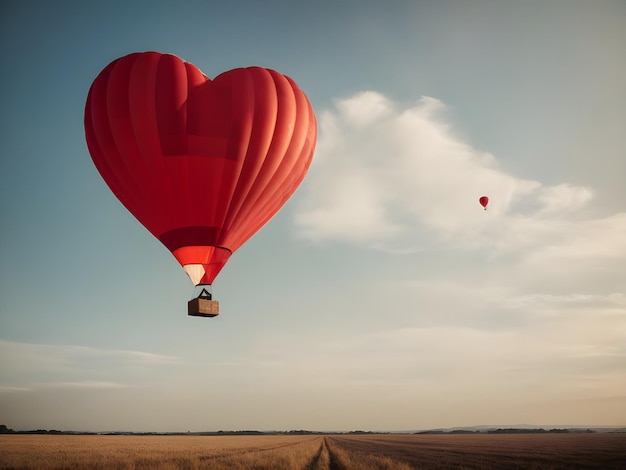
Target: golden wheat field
313,452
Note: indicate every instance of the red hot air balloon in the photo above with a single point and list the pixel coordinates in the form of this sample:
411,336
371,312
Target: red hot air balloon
484,200
202,164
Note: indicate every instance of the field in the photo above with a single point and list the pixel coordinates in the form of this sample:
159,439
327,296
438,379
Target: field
315,452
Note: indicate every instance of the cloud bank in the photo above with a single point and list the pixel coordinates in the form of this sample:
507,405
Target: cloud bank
29,367
399,179
523,301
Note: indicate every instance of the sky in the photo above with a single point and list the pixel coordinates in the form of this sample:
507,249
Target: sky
382,296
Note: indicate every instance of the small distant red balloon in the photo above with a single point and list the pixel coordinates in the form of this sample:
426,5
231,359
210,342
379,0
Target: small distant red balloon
484,200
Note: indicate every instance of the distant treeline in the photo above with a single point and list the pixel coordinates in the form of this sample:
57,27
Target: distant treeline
5,430
531,431
507,431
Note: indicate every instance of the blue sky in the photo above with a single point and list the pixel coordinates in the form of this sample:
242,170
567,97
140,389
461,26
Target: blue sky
382,296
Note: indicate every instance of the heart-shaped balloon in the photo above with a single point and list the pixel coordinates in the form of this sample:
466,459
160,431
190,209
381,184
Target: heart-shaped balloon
203,164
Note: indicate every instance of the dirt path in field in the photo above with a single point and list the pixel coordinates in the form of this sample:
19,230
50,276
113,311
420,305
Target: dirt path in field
325,459
334,463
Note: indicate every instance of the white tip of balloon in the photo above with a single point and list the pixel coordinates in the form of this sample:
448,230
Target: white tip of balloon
195,272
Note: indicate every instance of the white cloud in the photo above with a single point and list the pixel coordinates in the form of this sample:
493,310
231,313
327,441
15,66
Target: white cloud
367,108
87,384
30,366
563,198
401,179
548,359
4,389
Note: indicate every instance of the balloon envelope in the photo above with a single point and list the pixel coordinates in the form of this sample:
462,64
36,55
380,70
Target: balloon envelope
484,200
202,164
